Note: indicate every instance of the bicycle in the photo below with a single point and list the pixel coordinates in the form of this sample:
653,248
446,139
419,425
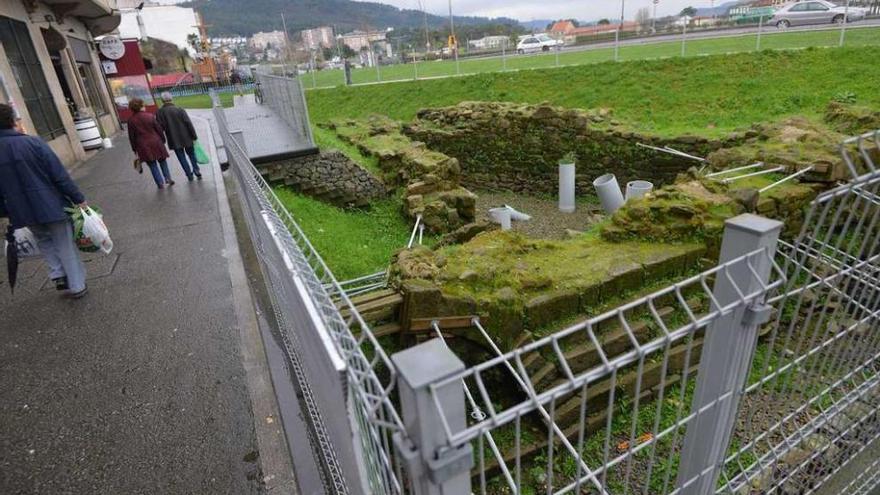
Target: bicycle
258,93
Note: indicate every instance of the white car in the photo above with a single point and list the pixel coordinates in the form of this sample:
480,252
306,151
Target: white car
815,12
538,43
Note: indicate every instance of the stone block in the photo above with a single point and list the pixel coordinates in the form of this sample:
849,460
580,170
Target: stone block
547,308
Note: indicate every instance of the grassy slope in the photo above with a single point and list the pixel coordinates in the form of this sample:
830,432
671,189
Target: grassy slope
352,242
770,40
709,95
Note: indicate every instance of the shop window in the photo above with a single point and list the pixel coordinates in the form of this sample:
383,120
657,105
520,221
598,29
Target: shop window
29,77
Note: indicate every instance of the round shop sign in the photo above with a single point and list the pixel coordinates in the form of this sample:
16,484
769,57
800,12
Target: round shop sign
112,47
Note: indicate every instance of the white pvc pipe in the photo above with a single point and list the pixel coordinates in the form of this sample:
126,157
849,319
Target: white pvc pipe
609,193
501,216
638,188
566,187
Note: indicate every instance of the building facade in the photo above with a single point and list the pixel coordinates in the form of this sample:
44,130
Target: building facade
318,38
491,42
275,39
50,70
162,22
364,40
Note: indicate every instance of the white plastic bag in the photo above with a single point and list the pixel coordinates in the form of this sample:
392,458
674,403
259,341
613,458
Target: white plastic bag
25,244
96,231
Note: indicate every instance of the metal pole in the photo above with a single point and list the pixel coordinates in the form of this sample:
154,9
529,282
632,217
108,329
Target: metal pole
557,55
684,31
617,33
314,69
432,467
504,55
843,25
455,46
376,61
654,18
416,65
760,28
727,350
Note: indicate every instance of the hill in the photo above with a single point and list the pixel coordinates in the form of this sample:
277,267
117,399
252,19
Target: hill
227,17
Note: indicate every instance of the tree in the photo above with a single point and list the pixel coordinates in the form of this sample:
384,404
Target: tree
603,22
688,12
347,52
643,16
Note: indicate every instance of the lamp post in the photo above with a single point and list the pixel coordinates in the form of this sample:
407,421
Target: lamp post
654,18
843,24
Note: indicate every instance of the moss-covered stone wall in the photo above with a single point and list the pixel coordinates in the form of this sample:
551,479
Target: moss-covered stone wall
516,147
429,179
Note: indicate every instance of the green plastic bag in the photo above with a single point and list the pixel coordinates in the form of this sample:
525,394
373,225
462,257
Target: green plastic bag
201,156
83,243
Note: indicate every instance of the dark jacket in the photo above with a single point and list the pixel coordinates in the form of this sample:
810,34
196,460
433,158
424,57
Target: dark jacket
34,186
179,130
147,137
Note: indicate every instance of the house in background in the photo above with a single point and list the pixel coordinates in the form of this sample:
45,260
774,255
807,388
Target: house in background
50,70
318,38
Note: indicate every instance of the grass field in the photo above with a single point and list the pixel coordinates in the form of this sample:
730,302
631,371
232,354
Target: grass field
707,95
745,43
203,101
352,242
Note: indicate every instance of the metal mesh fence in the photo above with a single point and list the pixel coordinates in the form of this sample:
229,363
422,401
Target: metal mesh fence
286,98
344,373
629,401
812,401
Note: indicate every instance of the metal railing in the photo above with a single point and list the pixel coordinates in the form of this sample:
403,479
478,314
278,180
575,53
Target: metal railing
761,374
286,98
204,88
346,378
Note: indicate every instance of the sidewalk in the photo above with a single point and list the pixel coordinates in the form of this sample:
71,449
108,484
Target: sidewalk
149,384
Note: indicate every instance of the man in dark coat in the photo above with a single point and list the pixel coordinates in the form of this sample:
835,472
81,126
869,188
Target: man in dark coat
34,190
180,134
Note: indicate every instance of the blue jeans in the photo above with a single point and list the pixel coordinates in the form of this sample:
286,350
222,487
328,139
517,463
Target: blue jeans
182,154
58,248
158,176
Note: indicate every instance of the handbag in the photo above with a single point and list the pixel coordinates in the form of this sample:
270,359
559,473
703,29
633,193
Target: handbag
139,165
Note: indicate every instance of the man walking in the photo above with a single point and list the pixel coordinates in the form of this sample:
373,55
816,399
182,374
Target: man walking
34,190
180,134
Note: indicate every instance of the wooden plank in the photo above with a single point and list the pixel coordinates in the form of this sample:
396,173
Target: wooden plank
368,297
390,302
445,323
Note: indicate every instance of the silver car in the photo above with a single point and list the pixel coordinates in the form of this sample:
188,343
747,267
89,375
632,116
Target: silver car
814,12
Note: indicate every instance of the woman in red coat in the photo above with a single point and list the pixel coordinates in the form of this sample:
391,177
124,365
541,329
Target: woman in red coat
148,142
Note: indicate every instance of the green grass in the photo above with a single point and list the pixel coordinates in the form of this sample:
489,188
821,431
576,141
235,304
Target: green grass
203,101
708,96
352,242
770,40
327,139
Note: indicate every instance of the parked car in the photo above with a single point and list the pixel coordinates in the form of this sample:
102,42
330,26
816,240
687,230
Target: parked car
814,12
538,43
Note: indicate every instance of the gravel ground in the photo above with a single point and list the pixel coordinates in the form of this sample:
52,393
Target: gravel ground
547,221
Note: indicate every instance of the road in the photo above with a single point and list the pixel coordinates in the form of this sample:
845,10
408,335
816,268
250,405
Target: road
701,35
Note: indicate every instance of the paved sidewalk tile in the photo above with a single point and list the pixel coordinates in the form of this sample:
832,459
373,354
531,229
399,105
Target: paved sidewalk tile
138,387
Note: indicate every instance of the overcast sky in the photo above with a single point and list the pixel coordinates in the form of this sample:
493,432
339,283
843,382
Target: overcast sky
526,10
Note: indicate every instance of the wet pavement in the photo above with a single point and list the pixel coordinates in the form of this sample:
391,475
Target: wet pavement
140,386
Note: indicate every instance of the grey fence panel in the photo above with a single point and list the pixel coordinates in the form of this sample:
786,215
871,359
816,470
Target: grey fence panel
686,390
813,399
348,405
287,99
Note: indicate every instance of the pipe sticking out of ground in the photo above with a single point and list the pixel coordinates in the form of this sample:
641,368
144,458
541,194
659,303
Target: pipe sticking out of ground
609,193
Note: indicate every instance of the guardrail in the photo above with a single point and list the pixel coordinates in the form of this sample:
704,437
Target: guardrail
762,373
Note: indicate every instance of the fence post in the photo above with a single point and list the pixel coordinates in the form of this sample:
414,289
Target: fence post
727,354
432,467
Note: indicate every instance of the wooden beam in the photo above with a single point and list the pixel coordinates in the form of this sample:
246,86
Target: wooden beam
445,323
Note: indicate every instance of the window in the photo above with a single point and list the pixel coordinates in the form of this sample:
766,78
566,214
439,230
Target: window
801,7
30,78
816,6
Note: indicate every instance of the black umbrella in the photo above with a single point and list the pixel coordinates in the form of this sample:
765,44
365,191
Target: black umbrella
11,258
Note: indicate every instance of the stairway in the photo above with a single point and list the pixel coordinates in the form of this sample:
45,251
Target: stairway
380,309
